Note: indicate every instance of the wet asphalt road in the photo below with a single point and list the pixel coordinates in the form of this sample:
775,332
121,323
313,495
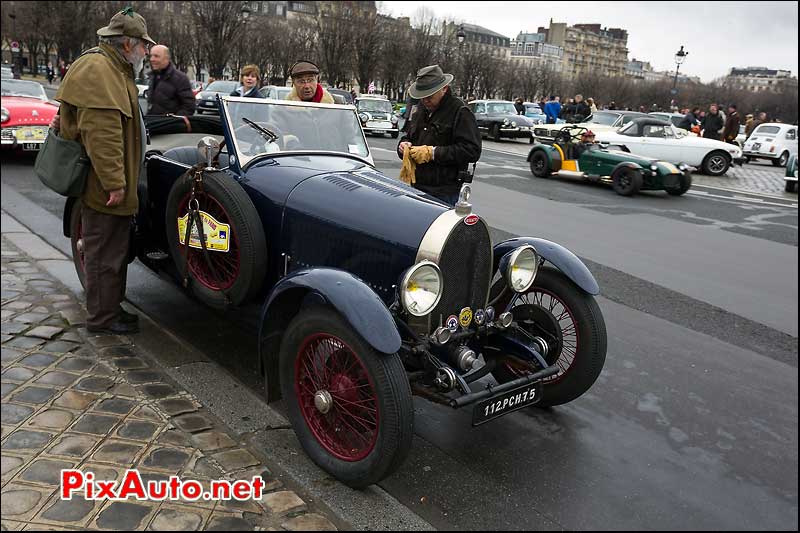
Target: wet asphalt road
693,422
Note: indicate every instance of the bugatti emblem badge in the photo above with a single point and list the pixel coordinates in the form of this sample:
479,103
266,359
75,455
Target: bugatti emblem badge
471,220
452,323
35,113
465,317
480,317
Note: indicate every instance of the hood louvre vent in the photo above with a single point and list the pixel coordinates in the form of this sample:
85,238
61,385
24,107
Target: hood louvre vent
352,182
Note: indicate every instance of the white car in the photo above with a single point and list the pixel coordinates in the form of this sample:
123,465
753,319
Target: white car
661,140
774,141
606,120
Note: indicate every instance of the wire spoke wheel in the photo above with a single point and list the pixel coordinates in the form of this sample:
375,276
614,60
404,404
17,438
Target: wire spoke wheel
336,396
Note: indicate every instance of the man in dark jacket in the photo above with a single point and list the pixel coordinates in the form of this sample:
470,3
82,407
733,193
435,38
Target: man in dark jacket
731,125
443,136
170,90
690,119
713,124
582,109
519,106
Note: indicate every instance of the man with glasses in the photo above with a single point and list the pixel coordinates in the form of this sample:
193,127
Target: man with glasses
100,109
305,78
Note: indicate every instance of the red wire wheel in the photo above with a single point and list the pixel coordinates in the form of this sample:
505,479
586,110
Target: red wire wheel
337,397
226,264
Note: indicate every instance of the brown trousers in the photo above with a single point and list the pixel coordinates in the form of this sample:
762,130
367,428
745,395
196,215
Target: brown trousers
105,244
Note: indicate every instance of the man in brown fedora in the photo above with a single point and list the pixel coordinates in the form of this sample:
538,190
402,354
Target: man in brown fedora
443,136
100,109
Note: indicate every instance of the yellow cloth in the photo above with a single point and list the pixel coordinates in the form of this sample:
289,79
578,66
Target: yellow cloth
408,172
422,154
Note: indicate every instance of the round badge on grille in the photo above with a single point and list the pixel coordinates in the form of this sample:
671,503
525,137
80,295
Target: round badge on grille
452,323
465,317
471,220
480,317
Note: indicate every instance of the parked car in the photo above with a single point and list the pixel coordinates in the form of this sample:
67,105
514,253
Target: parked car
370,290
791,174
376,115
741,137
498,119
143,86
661,140
7,73
774,141
345,95
597,122
625,172
197,86
676,119
25,115
534,112
275,92
207,98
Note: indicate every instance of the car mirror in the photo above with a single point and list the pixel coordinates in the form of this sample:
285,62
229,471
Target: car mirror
208,148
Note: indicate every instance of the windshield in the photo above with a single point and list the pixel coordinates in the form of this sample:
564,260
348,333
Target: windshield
299,127
23,88
533,108
768,130
606,119
223,86
501,108
381,106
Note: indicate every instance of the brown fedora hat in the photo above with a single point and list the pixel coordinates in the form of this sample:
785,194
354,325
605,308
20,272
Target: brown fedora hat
429,80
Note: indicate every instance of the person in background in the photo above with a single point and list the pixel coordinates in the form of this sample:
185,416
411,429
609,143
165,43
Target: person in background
249,83
690,119
712,123
306,87
760,119
519,106
51,73
592,106
732,123
170,89
552,110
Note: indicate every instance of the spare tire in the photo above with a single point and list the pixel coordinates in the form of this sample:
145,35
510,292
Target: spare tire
234,276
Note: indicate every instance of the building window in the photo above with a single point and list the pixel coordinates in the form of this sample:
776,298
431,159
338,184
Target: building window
279,10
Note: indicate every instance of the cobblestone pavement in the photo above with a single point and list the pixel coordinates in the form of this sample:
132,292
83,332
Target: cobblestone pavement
70,400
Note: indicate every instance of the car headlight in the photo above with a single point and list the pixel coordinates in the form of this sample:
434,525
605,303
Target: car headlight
4,115
506,122
682,167
394,119
198,96
363,117
519,267
421,288
654,167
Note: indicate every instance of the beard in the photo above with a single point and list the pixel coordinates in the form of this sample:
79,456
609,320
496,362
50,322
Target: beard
137,62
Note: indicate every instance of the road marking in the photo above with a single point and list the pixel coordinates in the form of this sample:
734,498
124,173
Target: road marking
743,199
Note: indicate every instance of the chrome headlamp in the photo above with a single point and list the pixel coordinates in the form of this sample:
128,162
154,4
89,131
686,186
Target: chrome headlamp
519,267
654,167
421,288
682,167
4,115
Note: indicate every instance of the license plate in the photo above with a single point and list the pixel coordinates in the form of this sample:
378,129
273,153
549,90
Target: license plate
31,147
31,133
379,125
756,147
505,403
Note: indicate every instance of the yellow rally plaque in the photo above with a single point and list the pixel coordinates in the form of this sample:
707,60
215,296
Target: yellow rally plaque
465,317
217,234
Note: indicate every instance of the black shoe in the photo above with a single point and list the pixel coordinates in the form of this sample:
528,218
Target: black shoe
127,318
115,328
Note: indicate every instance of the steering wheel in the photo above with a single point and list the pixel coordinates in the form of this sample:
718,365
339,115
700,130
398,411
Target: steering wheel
258,144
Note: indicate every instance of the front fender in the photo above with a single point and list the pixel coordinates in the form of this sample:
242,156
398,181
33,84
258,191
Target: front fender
348,295
560,257
627,164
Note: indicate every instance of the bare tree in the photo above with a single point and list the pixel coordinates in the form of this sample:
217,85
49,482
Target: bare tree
368,39
219,26
335,43
395,66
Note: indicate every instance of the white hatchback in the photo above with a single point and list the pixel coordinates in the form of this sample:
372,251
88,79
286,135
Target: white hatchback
774,141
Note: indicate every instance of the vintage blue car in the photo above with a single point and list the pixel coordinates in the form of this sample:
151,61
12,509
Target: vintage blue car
370,291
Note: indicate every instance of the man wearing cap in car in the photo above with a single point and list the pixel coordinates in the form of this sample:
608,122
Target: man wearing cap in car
100,109
443,136
305,78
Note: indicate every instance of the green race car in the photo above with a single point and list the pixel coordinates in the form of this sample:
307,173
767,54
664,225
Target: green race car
625,172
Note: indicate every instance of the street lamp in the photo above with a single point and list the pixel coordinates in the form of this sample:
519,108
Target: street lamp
680,57
460,35
14,57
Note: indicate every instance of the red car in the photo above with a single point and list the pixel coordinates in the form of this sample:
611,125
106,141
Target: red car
25,115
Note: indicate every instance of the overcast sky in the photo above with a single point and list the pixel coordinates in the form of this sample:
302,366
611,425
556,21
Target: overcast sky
717,35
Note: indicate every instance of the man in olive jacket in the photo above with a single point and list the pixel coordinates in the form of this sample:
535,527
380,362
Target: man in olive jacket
100,109
443,137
